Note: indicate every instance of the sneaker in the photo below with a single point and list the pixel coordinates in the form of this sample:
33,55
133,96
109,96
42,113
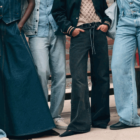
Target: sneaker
60,124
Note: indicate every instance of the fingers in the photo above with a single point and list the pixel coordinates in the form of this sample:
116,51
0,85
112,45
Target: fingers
99,28
103,28
81,30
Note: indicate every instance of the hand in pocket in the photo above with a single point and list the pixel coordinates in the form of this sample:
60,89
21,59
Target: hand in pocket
103,28
77,31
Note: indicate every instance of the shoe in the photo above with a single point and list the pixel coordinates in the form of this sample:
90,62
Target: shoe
69,133
120,125
60,124
103,126
4,138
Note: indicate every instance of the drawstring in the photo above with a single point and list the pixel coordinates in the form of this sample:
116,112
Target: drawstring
92,29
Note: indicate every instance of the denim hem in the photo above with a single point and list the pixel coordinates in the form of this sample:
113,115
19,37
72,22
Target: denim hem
129,123
56,117
78,130
32,133
2,137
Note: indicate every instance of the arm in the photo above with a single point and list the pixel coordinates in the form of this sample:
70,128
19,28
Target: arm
59,14
106,20
27,14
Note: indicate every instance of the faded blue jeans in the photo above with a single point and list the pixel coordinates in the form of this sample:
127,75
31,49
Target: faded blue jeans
2,134
123,67
49,57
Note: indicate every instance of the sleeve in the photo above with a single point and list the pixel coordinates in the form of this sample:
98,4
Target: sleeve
106,19
59,14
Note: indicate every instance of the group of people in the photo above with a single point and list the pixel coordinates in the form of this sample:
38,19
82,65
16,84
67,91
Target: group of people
25,68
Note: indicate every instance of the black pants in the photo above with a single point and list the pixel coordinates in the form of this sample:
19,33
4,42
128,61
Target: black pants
82,116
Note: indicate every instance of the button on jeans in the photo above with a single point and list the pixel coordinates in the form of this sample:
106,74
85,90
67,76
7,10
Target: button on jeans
123,68
49,55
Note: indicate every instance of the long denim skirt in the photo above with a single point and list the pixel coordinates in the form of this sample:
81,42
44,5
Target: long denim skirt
23,108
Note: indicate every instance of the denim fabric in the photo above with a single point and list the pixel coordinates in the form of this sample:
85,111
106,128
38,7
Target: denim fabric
49,55
38,23
23,108
2,134
123,61
82,116
10,10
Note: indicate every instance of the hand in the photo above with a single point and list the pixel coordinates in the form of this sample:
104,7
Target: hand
77,32
20,26
103,28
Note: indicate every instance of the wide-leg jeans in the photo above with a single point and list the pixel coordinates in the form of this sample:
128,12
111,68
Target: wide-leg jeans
82,116
123,69
49,57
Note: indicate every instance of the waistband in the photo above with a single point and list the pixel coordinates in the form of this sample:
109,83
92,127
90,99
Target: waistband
92,27
89,25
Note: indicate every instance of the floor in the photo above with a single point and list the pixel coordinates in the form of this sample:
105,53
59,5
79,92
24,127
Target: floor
95,133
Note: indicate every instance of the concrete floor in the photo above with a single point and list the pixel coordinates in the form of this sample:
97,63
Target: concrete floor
95,133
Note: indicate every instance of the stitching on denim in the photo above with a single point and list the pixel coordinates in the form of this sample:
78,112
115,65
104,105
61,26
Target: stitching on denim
133,57
4,30
26,46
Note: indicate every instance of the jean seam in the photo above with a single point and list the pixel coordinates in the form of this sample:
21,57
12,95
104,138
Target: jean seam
26,47
132,95
3,75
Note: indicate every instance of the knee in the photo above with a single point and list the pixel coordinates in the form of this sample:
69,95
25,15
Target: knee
115,64
43,72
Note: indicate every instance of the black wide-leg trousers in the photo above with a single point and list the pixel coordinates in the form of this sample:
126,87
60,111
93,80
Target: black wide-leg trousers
82,116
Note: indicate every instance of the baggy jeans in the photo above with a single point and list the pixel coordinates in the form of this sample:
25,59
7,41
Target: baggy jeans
123,68
49,55
82,116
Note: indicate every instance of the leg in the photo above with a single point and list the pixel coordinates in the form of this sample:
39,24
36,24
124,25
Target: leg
80,108
100,82
58,72
123,71
40,51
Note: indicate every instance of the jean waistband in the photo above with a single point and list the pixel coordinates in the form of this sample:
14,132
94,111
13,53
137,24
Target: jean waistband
89,25
92,27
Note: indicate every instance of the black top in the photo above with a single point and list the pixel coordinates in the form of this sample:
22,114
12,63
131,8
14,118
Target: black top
66,13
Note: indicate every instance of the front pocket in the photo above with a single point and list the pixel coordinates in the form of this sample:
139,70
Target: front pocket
76,36
18,28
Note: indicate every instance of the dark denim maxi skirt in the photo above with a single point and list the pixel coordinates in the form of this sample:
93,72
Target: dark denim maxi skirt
23,107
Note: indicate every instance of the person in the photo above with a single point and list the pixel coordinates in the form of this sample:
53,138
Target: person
48,51
86,22
123,63
23,108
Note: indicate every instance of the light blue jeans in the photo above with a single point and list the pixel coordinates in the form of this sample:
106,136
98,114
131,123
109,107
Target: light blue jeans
49,56
2,134
123,63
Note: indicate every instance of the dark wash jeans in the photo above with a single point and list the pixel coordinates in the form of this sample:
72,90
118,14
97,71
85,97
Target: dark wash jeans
82,116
